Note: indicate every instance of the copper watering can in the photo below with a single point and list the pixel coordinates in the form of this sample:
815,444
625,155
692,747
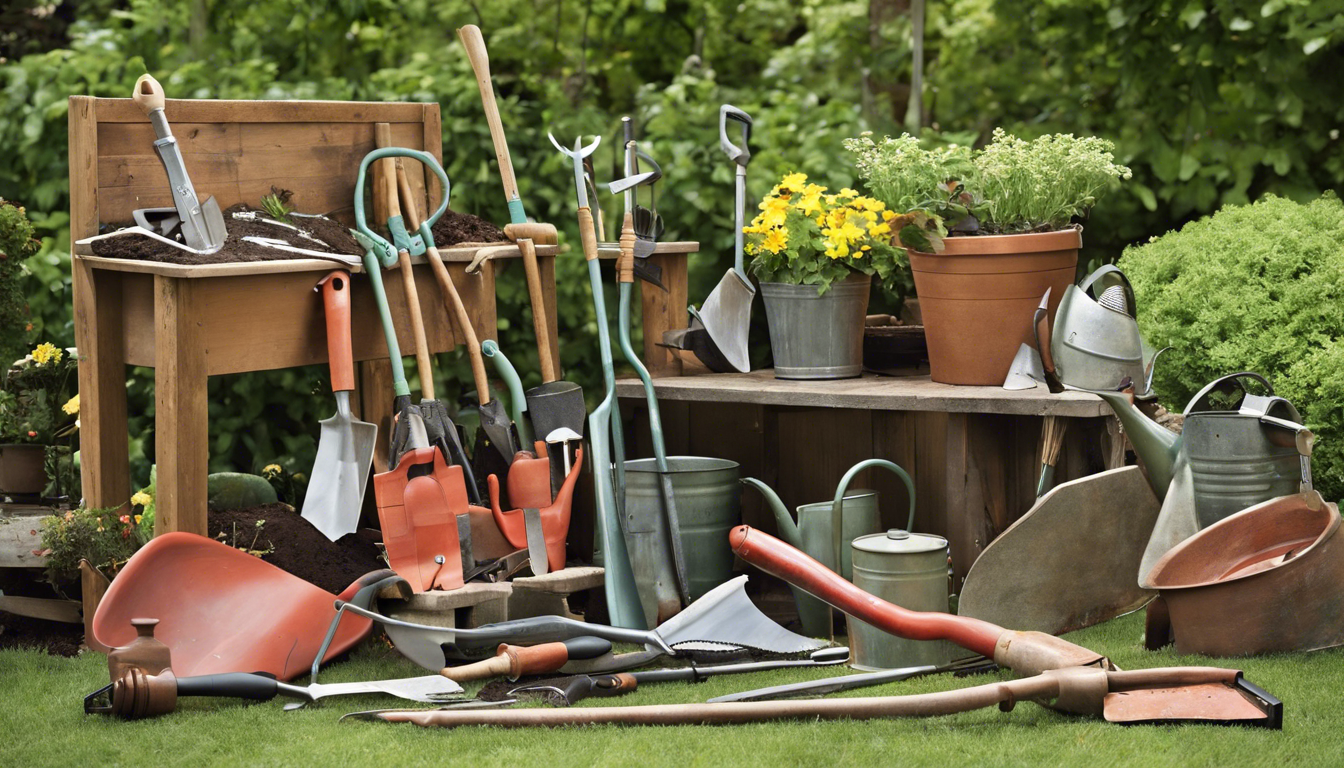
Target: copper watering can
825,529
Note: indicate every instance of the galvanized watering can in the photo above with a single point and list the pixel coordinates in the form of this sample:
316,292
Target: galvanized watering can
1254,450
824,530
906,569
1096,344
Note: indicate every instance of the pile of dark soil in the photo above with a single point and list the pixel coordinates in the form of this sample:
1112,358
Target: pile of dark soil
457,228
333,233
55,637
299,548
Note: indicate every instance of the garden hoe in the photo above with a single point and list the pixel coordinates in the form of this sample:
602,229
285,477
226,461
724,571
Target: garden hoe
1058,674
718,331
200,225
604,431
553,404
345,445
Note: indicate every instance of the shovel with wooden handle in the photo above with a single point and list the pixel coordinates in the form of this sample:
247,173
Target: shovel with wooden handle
201,225
345,445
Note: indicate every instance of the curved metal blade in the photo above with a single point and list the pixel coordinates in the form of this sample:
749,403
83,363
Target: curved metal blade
726,616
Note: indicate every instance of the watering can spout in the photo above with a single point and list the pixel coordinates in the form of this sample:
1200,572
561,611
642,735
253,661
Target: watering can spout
1155,444
788,529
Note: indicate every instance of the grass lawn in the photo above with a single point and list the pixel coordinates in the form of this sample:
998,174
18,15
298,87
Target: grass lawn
43,724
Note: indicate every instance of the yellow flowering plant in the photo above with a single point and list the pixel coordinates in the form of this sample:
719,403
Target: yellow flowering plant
34,394
807,235
105,537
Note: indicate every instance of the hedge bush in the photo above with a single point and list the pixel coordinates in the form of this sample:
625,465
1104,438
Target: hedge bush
1253,288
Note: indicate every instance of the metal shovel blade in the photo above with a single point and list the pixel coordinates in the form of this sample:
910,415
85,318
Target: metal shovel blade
556,405
341,473
498,429
1026,371
726,315
725,616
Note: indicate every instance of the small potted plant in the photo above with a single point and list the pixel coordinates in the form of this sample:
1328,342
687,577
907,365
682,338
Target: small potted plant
987,232
35,402
815,254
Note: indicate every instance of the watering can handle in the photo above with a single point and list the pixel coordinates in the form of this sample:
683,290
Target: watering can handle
837,517
1200,400
386,253
1106,270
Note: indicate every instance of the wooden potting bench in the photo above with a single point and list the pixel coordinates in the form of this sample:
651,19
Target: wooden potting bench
192,322
974,453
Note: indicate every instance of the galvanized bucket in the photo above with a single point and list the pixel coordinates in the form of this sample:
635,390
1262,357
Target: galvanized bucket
817,337
909,570
709,504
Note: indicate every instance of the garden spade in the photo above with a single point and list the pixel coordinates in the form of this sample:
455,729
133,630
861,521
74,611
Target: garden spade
201,225
726,313
345,446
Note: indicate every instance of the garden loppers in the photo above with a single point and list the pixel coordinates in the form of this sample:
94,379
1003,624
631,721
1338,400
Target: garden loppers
604,433
345,445
200,225
657,557
725,317
206,596
554,403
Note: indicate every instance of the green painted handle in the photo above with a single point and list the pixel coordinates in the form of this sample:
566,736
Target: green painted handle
517,400
385,251
837,536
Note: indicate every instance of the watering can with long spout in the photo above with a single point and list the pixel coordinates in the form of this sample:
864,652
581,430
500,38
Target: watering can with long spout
854,513
1241,448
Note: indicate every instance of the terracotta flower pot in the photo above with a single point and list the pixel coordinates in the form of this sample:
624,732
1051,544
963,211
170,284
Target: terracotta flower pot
978,297
22,469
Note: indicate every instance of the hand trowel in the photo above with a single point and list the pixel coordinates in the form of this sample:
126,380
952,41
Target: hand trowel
345,447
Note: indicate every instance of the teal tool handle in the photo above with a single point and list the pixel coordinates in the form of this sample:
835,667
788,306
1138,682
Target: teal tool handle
385,251
655,417
399,386
517,401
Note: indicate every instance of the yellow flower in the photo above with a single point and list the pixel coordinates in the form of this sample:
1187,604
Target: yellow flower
72,405
774,210
810,200
776,241
271,470
793,182
46,352
847,192
142,499
138,518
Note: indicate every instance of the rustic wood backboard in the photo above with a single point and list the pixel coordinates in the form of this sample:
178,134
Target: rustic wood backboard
234,151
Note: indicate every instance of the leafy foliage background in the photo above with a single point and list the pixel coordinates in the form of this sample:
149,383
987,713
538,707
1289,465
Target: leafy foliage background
1208,102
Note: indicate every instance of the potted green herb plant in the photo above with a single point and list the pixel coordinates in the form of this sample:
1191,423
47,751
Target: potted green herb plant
815,254
987,233
35,404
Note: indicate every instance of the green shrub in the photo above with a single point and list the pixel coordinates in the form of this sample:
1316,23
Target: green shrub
1253,288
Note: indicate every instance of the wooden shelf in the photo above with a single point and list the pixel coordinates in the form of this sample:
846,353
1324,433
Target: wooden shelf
869,393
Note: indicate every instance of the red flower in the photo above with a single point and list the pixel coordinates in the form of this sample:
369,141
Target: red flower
31,433
125,518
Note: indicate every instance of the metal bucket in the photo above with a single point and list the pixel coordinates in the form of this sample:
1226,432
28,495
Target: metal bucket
862,517
817,337
709,504
909,570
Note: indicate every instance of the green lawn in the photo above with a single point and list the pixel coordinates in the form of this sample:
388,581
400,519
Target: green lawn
43,724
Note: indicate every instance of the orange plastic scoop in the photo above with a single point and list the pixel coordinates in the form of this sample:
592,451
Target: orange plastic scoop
223,610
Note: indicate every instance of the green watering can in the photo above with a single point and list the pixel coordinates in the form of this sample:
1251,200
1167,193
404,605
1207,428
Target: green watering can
851,513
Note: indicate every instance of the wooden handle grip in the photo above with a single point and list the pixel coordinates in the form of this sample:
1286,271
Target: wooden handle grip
587,235
783,561
540,323
464,326
422,360
336,303
480,670
148,94
535,660
625,266
474,44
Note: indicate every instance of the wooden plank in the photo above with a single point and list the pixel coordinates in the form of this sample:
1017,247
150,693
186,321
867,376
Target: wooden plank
104,459
137,316
181,423
196,141
83,132
270,111
664,311
905,393
146,170
375,406
613,250
894,440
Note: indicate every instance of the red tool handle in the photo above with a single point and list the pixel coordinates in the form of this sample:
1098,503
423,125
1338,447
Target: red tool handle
777,558
336,300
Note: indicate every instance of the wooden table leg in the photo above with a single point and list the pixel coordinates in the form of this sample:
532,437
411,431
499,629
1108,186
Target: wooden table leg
181,421
664,311
99,337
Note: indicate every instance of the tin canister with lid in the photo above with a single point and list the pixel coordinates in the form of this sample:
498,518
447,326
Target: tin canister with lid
909,570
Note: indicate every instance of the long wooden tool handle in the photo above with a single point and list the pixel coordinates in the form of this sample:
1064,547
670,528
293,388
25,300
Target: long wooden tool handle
587,235
474,44
540,325
793,566
454,300
625,265
336,301
417,325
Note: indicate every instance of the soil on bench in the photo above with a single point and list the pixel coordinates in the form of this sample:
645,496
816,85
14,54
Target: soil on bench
456,228
335,235
299,548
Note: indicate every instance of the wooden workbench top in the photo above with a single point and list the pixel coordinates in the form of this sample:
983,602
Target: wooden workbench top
869,393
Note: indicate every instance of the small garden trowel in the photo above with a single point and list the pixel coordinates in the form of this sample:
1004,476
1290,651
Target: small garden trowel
199,225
